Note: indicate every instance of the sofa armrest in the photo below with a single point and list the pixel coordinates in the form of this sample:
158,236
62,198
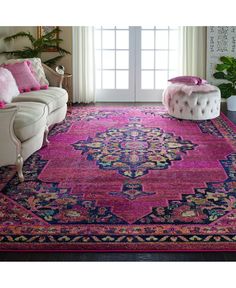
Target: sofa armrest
10,145
55,79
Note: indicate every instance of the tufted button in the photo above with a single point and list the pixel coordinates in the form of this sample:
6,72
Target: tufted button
211,110
176,101
203,111
173,109
186,103
181,110
191,111
198,103
208,102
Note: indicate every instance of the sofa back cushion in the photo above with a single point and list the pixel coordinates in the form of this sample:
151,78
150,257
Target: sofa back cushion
25,80
36,68
8,87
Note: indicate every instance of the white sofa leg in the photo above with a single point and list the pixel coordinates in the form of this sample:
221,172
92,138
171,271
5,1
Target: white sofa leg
45,139
19,166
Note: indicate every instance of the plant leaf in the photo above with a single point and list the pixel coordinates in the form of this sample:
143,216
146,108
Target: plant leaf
219,75
52,33
226,90
20,34
226,60
60,50
222,67
52,62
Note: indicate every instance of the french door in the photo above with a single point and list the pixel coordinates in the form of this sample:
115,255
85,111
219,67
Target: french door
133,64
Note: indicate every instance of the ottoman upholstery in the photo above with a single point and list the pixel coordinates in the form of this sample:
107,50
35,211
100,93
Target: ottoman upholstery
197,106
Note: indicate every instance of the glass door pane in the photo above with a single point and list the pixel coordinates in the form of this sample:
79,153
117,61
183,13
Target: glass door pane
156,60
114,64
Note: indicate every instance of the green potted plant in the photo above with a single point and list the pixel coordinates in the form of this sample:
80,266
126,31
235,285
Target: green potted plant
226,70
38,46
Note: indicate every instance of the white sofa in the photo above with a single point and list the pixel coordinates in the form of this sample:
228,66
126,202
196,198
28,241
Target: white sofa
24,123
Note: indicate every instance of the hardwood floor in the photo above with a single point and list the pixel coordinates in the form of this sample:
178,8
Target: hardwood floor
213,256
117,257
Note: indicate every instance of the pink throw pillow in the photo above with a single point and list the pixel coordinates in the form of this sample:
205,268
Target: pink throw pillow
8,87
190,80
36,69
2,105
25,80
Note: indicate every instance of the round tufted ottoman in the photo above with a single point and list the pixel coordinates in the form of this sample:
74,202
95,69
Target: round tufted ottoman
197,106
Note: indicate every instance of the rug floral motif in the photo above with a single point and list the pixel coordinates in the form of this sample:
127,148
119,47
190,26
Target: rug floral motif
125,178
134,149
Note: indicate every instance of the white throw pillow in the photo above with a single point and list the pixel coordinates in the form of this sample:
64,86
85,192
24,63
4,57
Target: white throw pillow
8,87
37,69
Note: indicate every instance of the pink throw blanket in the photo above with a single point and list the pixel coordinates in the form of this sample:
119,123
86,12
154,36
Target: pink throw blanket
184,89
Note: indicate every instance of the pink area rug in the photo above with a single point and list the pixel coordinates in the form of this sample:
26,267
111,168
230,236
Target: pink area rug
125,179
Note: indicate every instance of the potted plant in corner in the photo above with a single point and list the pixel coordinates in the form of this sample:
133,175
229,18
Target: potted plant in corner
226,70
38,46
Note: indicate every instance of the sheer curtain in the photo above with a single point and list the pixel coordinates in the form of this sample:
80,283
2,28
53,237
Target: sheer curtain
83,64
193,50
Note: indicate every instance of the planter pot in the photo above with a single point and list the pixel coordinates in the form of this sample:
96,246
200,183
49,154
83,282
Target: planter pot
231,103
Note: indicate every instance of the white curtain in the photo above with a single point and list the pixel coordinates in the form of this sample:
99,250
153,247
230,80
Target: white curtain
83,65
193,51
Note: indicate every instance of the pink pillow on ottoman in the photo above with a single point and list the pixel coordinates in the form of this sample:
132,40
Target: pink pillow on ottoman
25,80
8,87
191,80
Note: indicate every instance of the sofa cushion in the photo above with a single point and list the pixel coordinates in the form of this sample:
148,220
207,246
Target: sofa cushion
53,97
30,118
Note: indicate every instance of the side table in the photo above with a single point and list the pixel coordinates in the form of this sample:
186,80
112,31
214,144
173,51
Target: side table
67,85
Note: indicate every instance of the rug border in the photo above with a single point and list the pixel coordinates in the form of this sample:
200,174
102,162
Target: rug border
106,248
226,119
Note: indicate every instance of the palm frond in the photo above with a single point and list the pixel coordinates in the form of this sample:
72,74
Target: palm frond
10,52
52,62
60,50
63,51
20,34
24,53
52,33
43,42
